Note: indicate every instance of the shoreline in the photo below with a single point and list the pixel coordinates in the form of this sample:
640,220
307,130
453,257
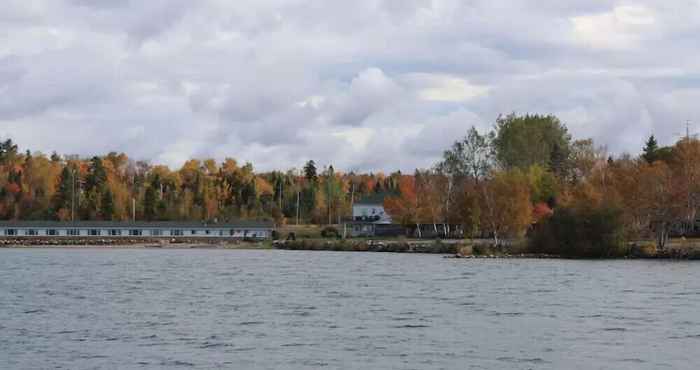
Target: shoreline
450,249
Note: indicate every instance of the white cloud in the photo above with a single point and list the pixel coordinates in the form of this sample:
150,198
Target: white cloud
365,85
623,27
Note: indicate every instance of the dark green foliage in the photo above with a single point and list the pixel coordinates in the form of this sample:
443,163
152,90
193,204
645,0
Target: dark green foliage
650,150
107,205
150,204
8,151
585,232
64,193
330,232
524,141
97,177
310,171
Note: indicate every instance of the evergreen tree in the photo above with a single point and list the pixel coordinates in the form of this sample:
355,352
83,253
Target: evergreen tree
651,149
107,205
97,176
150,201
8,151
310,171
64,192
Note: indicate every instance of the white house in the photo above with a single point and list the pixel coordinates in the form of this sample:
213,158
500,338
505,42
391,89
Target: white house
371,209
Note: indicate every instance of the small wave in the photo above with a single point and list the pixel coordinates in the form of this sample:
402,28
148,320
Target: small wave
177,363
410,326
299,345
632,360
248,323
34,311
535,360
615,329
66,332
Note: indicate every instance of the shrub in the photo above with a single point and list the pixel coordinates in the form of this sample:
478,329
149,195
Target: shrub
581,232
330,232
644,250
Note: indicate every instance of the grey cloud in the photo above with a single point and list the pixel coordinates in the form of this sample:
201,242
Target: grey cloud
277,82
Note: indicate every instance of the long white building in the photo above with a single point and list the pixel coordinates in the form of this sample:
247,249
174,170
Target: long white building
160,229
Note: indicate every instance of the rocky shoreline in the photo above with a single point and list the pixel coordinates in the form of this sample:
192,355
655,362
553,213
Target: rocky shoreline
79,242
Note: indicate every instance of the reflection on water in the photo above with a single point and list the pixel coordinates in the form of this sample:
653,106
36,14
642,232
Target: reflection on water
204,309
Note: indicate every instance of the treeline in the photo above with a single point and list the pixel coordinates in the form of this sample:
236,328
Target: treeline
34,186
529,176
526,175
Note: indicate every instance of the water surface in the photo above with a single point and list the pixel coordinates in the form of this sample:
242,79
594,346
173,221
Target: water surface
209,309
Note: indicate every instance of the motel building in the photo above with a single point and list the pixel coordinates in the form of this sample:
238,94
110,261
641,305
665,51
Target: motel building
160,229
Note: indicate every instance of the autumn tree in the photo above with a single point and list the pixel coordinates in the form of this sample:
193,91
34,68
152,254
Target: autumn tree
506,205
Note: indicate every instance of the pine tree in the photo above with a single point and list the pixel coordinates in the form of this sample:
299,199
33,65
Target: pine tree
310,171
651,149
64,192
107,205
150,200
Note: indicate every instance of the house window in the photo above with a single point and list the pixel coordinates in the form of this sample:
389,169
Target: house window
31,232
156,232
115,232
73,232
52,232
134,232
207,232
176,232
11,232
193,232
94,232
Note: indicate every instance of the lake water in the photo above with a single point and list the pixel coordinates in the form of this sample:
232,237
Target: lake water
219,309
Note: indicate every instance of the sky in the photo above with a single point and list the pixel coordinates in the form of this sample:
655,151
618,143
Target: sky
365,85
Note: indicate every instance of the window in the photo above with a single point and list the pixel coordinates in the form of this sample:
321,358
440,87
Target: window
194,232
73,232
156,232
115,232
176,232
31,232
207,232
52,232
10,232
94,232
134,232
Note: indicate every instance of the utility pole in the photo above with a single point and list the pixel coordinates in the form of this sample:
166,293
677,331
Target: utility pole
279,187
72,198
298,196
133,209
328,186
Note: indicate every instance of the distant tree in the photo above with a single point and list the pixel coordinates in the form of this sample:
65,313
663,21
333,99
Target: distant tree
64,192
107,205
650,150
150,203
310,171
8,151
97,174
404,208
523,141
472,157
506,205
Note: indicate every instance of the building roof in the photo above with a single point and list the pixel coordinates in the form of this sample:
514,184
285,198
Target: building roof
138,224
374,199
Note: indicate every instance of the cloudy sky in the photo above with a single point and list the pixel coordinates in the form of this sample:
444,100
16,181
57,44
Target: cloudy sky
363,84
